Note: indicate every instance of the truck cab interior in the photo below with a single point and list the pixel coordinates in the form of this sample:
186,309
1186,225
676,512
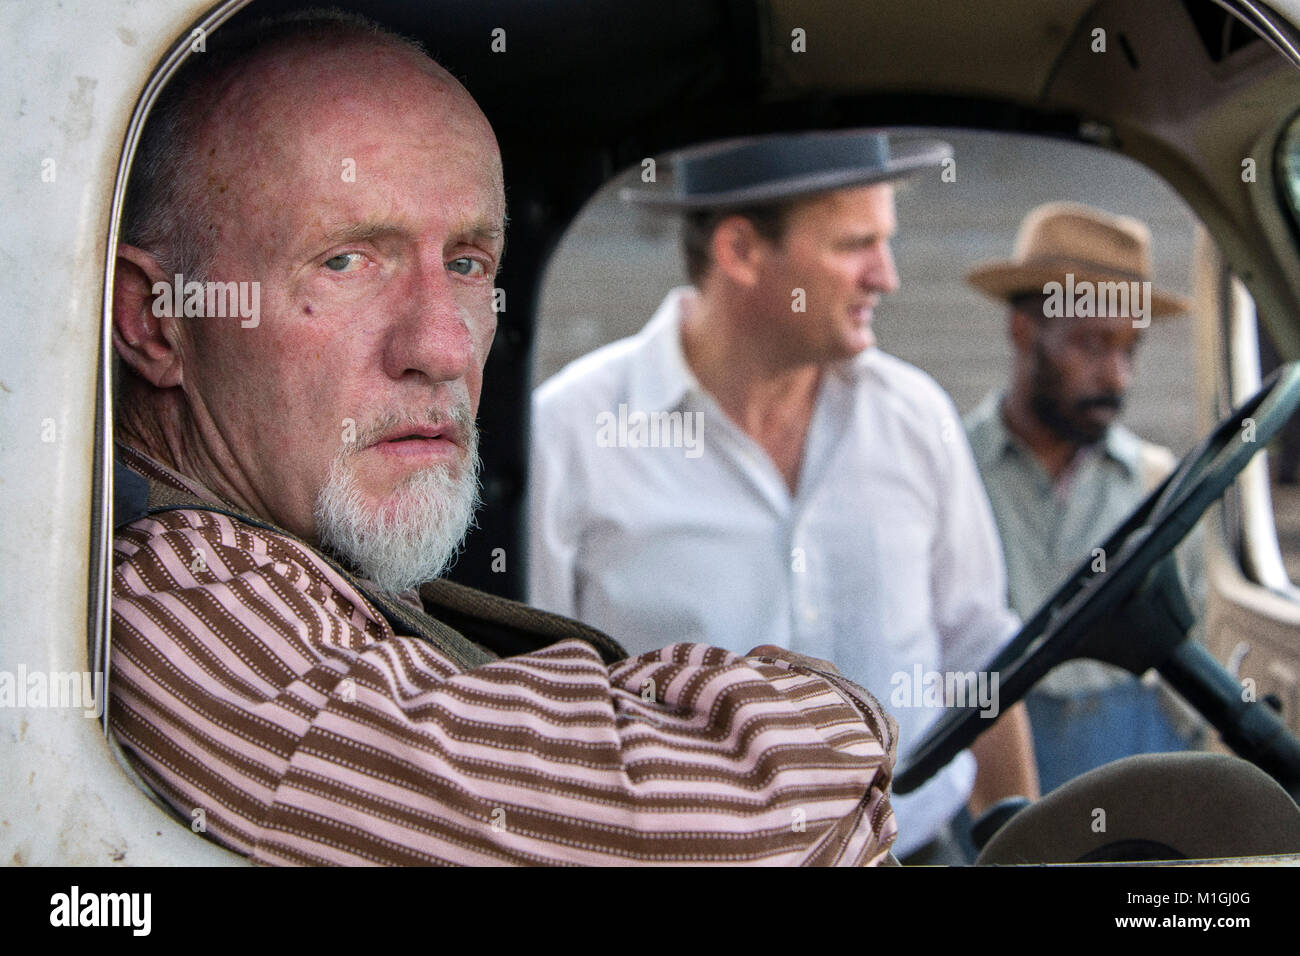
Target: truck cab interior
1203,94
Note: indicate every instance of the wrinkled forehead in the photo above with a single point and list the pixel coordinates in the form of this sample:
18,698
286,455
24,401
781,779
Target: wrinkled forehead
301,112
381,70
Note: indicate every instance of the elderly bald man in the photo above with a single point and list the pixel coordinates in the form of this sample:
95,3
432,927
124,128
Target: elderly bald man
285,657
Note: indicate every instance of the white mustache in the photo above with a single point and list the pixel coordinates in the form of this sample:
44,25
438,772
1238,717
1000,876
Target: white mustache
457,416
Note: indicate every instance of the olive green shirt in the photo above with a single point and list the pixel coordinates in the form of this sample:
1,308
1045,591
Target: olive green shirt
1049,528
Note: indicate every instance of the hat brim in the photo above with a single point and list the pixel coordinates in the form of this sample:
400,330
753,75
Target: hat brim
908,157
1005,280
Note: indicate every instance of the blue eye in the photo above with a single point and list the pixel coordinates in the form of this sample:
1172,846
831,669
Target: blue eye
466,266
342,261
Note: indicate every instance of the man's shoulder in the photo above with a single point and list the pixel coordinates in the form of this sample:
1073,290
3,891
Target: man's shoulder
197,547
593,379
210,546
983,415
237,564
911,388
648,363
984,429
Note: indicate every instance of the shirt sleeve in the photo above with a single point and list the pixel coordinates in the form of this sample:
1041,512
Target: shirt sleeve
281,717
552,536
969,571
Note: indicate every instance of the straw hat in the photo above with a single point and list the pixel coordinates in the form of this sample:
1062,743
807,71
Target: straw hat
1062,237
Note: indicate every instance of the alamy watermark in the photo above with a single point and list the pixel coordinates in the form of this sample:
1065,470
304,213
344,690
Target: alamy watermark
208,300
638,429
1087,299
922,688
75,908
44,690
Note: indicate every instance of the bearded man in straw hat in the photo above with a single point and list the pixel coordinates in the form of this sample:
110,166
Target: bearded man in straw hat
1060,471
751,468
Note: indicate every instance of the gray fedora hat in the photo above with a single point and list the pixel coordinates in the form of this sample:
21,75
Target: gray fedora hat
757,169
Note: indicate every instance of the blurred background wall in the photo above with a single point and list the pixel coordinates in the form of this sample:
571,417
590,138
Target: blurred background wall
617,261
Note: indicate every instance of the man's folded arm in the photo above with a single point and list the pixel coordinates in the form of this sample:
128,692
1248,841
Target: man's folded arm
285,720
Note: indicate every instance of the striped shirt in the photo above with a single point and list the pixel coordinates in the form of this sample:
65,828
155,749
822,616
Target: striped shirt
254,680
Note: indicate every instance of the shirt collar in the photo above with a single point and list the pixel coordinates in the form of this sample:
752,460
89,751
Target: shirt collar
661,378
989,438
992,439
1124,447
869,362
155,470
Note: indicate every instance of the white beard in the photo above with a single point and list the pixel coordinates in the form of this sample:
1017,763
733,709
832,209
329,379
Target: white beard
419,531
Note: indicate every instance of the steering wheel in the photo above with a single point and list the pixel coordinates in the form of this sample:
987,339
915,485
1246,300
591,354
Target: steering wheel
1066,625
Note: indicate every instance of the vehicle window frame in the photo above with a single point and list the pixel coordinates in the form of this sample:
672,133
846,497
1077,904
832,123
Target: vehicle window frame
99,626
1286,161
1259,549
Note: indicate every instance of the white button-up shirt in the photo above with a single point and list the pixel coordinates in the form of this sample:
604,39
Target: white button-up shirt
656,519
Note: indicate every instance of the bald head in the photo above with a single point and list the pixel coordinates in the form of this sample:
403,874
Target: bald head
232,102
324,117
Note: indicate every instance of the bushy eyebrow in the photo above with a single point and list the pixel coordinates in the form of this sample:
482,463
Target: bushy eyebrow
485,231
361,232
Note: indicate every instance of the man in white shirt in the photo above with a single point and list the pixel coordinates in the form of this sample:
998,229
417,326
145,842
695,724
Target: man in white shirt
751,469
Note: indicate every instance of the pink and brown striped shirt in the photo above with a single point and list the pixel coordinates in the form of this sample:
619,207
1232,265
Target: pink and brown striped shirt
254,680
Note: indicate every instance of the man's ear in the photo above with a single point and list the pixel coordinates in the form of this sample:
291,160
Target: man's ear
145,340
736,249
